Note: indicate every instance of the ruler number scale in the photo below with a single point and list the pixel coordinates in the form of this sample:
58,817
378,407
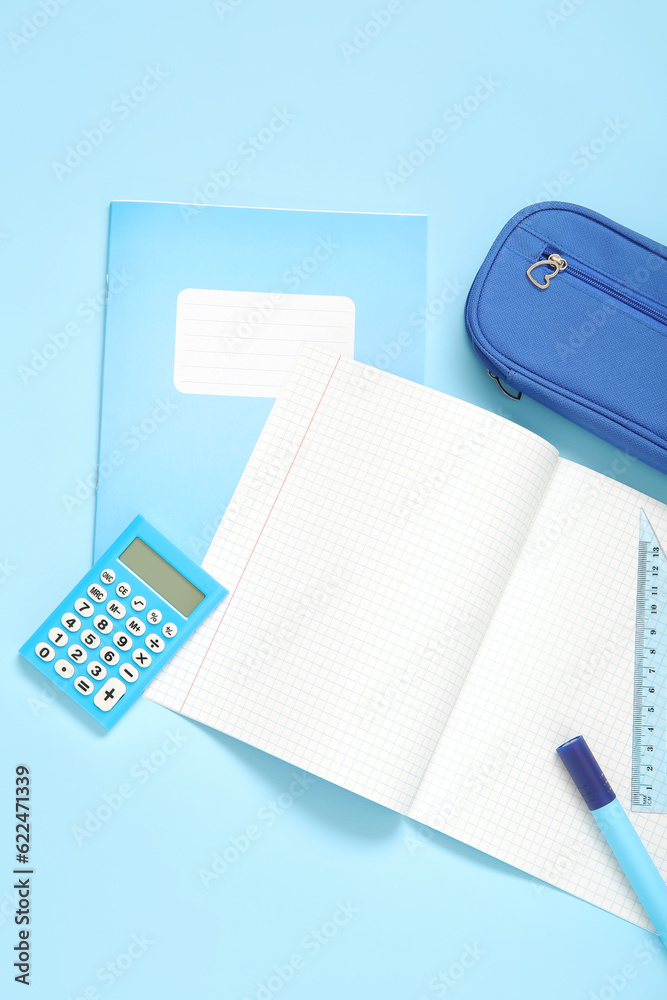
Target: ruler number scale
649,735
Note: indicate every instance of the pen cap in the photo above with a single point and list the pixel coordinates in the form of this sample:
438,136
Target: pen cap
586,772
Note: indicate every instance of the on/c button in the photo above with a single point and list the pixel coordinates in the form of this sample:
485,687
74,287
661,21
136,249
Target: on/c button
109,694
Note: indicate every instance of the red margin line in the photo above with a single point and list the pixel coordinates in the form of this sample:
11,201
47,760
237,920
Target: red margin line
222,617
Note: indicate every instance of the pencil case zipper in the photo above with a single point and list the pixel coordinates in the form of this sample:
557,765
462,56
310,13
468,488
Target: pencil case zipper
558,264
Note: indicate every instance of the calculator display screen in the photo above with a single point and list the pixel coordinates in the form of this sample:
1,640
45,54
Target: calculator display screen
161,576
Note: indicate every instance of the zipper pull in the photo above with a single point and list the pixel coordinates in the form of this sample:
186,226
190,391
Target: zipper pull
554,261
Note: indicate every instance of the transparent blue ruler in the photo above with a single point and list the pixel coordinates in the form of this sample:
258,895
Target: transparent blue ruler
649,720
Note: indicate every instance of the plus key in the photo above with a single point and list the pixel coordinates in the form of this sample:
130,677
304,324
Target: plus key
109,695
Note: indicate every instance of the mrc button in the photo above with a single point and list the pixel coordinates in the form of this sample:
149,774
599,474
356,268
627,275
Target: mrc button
96,593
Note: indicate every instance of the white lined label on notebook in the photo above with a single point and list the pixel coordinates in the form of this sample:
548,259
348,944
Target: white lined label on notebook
246,343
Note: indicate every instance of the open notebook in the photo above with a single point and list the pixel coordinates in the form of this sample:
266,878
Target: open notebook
426,600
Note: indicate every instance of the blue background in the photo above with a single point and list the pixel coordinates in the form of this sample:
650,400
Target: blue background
420,901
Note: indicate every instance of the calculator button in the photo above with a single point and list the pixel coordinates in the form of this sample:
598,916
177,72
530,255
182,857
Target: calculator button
84,685
142,658
116,609
122,640
109,655
154,642
64,668
58,637
103,624
71,622
97,593
83,607
109,694
44,651
135,625
77,654
129,672
169,630
96,670
154,617
138,603
123,589
107,576
89,638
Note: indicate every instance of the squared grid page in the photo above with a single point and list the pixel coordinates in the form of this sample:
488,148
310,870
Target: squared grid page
365,550
557,660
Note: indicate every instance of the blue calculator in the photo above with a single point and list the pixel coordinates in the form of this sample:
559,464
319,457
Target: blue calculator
118,627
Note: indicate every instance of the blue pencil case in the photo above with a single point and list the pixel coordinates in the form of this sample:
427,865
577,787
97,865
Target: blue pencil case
571,308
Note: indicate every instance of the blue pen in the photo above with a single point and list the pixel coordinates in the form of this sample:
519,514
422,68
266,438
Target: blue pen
619,832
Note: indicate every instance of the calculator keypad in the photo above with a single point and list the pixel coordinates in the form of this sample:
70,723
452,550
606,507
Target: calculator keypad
107,639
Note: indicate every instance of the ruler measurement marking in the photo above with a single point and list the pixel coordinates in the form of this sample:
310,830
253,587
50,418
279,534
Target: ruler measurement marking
649,740
639,675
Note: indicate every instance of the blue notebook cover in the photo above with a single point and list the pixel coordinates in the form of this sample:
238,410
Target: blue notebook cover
207,310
